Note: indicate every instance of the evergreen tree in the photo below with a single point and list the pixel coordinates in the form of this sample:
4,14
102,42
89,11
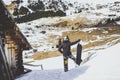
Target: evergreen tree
29,1
15,13
23,10
19,1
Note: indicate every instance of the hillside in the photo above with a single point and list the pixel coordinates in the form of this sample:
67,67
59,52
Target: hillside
43,35
29,8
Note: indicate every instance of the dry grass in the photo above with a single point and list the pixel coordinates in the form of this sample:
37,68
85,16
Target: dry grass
78,22
98,43
11,6
74,35
43,55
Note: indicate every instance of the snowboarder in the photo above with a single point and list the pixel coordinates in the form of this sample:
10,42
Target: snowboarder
65,49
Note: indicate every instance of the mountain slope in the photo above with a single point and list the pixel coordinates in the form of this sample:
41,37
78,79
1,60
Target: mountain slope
72,1
73,5
30,10
104,65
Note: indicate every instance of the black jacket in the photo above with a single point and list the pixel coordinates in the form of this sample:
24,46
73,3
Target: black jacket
65,47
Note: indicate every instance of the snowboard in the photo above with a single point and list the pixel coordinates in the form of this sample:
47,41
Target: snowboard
78,55
65,64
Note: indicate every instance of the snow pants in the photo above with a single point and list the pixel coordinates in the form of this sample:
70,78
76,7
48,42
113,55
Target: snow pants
66,61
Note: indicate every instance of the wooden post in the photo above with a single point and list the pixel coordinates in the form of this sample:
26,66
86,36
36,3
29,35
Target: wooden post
19,60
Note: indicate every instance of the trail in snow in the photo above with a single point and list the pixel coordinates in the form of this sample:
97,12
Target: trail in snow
55,74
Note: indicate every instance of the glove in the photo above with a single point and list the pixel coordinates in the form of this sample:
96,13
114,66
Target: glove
80,42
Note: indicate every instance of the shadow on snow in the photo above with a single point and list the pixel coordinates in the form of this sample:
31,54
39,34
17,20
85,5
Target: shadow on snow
57,74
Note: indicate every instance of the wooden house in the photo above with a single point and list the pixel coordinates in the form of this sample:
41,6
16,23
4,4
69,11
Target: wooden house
13,41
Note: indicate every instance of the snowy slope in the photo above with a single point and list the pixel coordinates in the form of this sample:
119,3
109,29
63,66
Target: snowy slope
104,65
7,2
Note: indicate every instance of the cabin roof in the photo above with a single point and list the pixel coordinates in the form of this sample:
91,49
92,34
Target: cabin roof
7,22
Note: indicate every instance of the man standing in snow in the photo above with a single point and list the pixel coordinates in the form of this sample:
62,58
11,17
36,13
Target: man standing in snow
65,49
